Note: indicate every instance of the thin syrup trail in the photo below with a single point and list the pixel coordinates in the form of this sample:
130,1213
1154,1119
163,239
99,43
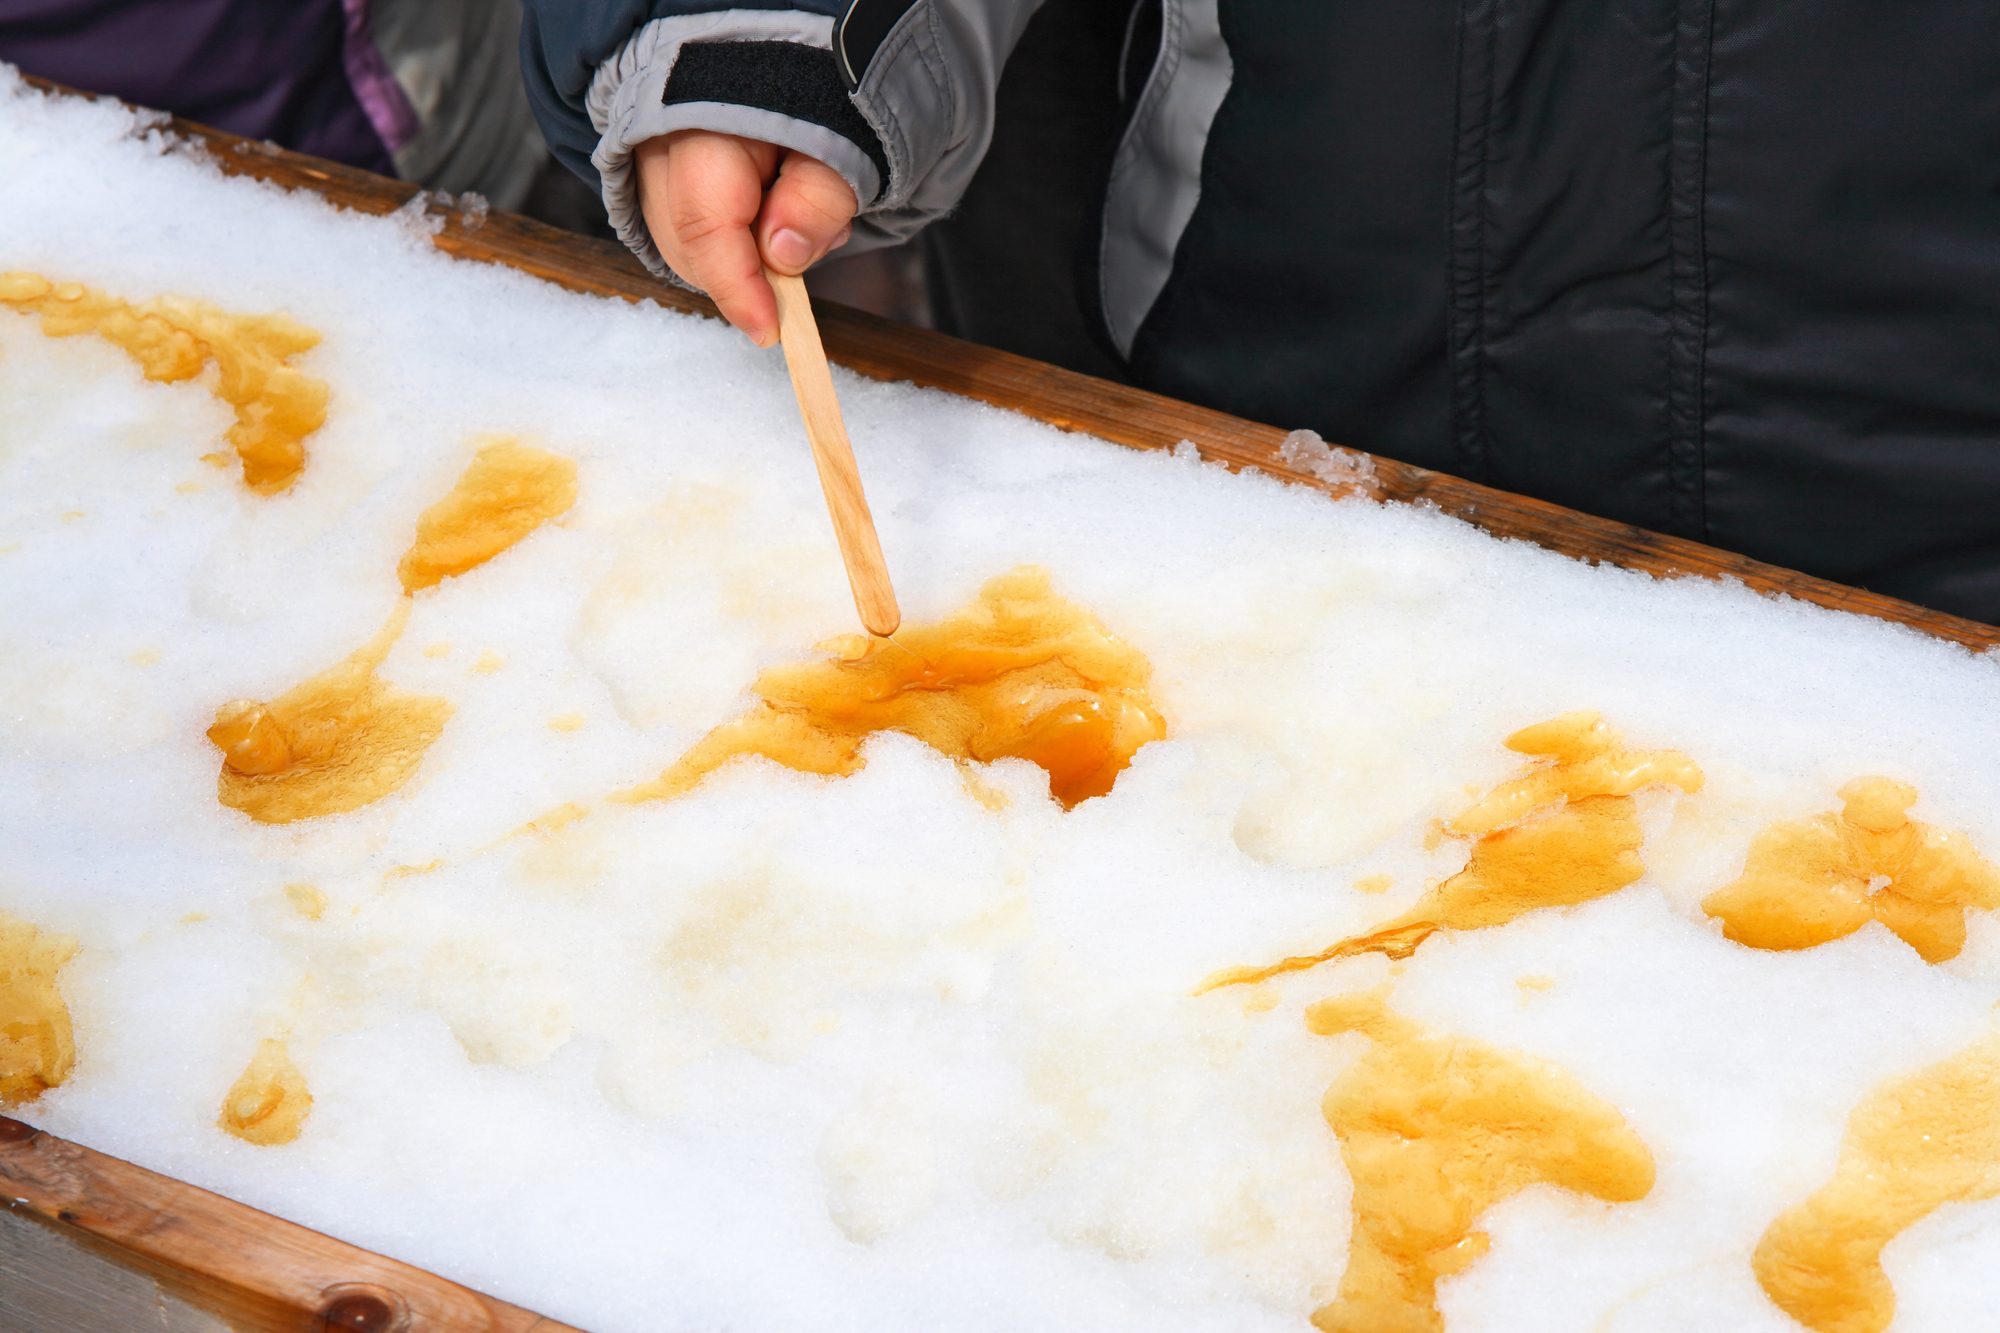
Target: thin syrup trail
1564,831
893,642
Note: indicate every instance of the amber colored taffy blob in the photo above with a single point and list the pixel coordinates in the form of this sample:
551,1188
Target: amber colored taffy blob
332,744
37,1044
1913,1145
269,1102
1021,673
277,405
1813,881
1437,1130
506,492
1562,833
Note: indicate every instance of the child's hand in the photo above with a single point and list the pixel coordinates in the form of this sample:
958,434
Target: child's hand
721,208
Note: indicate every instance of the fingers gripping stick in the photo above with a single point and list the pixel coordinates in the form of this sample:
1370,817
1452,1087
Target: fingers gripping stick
839,478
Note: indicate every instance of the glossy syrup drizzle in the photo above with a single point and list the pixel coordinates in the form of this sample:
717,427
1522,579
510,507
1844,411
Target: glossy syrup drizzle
37,1044
345,737
172,338
1437,1130
1813,881
1564,832
506,492
269,1102
333,743
1913,1145
1021,673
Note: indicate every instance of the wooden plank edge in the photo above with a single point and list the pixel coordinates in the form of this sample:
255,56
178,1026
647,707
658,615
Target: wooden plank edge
1116,412
252,1269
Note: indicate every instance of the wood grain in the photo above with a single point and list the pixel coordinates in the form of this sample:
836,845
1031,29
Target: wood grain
265,1275
839,474
254,1271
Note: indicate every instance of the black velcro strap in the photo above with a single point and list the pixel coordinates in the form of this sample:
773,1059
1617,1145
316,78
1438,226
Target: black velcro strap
861,32
786,77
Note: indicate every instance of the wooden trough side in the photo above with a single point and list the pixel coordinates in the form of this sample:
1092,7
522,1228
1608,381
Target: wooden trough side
254,1272
260,1274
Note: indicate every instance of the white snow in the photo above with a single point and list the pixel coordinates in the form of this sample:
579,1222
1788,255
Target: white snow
862,1054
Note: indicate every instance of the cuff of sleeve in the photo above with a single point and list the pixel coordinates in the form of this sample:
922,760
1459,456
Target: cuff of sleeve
758,75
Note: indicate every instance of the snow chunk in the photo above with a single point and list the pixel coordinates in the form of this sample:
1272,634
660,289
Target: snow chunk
1304,451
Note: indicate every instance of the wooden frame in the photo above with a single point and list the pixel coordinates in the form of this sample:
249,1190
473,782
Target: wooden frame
254,1271
266,1275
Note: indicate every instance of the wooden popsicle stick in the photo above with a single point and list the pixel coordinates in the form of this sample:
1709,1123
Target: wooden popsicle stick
839,477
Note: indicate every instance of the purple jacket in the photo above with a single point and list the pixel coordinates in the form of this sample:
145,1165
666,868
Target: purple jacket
303,73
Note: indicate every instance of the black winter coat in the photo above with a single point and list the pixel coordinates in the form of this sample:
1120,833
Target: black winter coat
1723,268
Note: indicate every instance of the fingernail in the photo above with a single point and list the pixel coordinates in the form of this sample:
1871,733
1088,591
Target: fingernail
789,249
840,240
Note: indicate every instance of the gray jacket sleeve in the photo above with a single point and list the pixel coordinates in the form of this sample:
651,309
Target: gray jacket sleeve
895,95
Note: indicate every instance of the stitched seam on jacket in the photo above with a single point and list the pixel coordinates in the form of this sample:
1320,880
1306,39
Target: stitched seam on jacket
1687,348
1483,440
902,160
1470,272
939,69
1700,370
1165,64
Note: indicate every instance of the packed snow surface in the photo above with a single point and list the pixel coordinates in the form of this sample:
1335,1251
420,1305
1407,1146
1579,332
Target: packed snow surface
918,1047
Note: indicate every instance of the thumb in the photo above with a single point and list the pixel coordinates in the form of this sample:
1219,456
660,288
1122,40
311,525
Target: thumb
805,212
